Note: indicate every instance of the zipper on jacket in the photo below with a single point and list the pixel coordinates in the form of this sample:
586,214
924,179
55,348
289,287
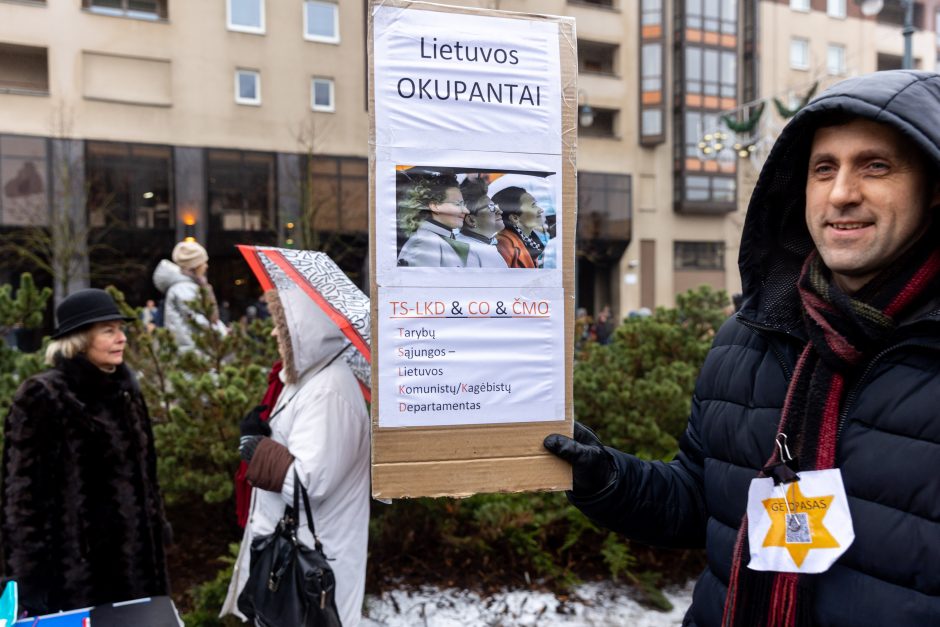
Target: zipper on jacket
760,329
850,398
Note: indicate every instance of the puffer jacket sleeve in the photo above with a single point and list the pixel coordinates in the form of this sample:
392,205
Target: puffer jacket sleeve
30,474
657,503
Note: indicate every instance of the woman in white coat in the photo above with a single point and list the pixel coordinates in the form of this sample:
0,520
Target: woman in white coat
320,428
181,281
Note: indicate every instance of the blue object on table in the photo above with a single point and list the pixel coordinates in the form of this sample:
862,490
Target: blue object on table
72,618
8,604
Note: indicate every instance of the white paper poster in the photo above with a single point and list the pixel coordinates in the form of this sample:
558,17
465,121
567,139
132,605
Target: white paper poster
466,82
470,356
468,219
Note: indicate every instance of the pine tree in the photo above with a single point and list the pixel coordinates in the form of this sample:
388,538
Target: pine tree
197,398
24,310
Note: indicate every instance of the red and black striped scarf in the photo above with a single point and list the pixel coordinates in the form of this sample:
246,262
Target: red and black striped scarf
844,333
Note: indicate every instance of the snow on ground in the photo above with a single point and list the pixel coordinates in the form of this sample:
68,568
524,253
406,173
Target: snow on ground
589,605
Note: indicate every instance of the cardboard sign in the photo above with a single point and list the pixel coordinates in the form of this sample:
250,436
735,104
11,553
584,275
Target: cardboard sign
472,218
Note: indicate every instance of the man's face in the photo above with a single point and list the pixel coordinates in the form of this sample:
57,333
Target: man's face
487,220
867,199
451,210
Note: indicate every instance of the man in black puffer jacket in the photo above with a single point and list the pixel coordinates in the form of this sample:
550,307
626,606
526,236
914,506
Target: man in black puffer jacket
837,347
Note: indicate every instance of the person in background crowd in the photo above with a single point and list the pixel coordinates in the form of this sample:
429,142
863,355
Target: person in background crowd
225,313
82,516
435,208
482,222
150,316
318,428
604,326
583,327
828,373
181,280
519,243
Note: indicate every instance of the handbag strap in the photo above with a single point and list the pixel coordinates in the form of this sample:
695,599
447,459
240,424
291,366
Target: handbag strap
299,487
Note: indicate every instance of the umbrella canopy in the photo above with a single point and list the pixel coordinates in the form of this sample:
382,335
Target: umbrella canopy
313,272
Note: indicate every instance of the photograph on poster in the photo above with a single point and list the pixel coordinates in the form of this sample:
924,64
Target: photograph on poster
458,217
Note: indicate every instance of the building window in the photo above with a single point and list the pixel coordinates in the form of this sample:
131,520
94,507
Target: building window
600,3
835,60
800,5
652,67
321,21
24,181
129,185
247,87
246,16
702,188
652,122
139,9
604,124
652,46
711,71
699,255
799,53
339,196
241,190
24,70
604,193
597,58
651,12
605,207
697,125
893,13
835,8
321,96
712,15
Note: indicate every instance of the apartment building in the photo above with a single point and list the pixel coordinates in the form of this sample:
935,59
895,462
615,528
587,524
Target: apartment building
806,45
145,121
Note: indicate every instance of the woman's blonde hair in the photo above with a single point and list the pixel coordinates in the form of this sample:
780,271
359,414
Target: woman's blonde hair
68,346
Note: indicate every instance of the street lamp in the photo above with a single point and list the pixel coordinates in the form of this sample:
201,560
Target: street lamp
873,7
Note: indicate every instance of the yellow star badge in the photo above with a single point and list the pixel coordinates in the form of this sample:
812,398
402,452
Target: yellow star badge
797,523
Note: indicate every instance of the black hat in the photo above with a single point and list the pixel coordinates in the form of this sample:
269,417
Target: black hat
83,308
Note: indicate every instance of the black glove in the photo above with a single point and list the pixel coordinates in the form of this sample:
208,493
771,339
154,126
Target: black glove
593,467
252,424
247,445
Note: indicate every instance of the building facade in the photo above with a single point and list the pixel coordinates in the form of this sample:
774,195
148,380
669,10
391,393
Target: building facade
806,45
146,121
136,123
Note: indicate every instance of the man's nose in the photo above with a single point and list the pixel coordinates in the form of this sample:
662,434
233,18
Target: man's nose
845,189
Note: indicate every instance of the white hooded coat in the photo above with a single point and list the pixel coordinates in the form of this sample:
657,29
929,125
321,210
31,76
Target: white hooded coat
180,290
323,422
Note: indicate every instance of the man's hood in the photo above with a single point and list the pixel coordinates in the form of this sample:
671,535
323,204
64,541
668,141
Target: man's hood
775,240
307,338
168,274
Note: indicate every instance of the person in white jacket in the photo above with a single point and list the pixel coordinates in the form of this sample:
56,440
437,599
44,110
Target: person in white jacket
319,428
180,280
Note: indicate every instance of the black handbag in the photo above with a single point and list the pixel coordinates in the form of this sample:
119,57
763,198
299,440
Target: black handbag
289,584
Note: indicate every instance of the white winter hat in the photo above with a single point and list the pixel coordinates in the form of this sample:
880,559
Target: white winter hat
189,255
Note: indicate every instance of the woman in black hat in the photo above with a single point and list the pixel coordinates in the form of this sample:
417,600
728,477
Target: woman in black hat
82,517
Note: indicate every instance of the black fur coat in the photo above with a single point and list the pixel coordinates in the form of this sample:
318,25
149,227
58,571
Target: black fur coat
82,517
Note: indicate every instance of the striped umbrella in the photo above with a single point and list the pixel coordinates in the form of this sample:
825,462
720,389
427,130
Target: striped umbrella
327,286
